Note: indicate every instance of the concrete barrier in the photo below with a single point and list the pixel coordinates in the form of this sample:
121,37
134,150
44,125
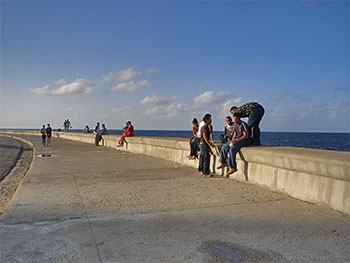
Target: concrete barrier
318,176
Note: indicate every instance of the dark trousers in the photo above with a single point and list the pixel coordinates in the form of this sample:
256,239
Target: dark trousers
194,148
253,122
43,139
204,158
98,138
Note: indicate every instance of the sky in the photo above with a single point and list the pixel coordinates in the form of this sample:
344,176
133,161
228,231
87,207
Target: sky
161,64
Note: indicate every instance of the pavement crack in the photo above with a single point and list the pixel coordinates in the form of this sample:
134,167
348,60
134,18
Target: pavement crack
88,219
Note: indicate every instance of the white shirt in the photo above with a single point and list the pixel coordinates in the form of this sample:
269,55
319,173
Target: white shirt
201,124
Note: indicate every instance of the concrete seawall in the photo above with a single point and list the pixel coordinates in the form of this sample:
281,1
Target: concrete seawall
318,176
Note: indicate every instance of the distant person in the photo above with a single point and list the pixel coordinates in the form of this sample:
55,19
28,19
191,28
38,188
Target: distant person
128,132
66,125
227,130
204,145
125,129
86,129
69,125
103,131
49,134
254,111
240,139
43,135
193,144
97,127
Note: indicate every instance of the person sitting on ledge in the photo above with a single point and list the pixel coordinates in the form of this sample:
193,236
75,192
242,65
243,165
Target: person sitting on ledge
86,129
239,140
128,132
193,144
227,130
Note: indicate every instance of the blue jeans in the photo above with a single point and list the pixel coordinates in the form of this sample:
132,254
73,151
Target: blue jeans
224,152
43,139
233,150
204,158
253,123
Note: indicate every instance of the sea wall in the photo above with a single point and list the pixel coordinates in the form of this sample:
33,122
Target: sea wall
318,176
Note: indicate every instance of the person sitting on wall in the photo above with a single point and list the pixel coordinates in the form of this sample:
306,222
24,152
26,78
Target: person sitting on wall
86,129
239,140
193,144
227,130
129,132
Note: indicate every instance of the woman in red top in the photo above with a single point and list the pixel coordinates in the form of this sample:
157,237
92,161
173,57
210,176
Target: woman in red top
129,132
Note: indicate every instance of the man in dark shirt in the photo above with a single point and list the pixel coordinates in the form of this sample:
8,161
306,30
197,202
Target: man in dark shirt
49,134
255,112
204,145
239,140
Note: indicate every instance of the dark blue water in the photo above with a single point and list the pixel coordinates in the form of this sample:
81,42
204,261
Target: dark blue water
326,141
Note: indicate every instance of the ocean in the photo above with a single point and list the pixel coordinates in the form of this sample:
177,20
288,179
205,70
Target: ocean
324,141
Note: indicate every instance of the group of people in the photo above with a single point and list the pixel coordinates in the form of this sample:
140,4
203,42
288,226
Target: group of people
237,134
67,125
46,135
100,129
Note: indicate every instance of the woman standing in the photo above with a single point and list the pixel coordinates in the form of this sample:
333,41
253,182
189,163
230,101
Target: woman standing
43,135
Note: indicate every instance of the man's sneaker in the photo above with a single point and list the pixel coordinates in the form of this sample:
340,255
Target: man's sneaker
118,145
222,166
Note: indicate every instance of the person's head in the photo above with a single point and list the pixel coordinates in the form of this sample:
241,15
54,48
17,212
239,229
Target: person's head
228,119
98,124
207,119
236,118
129,122
207,115
233,109
103,125
44,126
48,125
195,121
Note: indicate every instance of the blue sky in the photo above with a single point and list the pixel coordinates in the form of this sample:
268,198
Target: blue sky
159,64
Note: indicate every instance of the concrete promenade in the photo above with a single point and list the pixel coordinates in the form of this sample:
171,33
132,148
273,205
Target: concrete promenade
94,204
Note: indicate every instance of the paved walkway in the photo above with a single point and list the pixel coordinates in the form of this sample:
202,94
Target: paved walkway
94,204
9,151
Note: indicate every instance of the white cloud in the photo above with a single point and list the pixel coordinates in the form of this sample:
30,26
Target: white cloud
77,87
131,86
209,98
208,101
125,79
125,75
154,100
41,91
226,106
